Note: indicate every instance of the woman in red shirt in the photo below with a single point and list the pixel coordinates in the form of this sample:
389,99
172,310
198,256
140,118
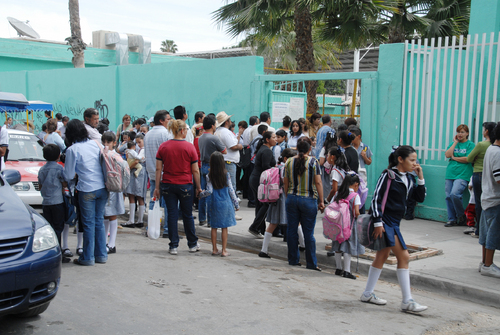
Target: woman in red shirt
177,160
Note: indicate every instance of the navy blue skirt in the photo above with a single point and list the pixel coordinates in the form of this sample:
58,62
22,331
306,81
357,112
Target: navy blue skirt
391,226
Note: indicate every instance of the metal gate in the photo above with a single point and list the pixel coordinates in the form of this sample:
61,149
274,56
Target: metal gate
286,98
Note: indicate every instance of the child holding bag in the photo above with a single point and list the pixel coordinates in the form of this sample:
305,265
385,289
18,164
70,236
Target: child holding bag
224,201
386,221
351,247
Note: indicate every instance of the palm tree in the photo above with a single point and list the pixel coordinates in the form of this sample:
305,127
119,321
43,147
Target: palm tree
168,46
270,17
77,46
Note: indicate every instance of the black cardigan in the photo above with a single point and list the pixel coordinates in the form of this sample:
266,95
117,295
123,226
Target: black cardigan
397,197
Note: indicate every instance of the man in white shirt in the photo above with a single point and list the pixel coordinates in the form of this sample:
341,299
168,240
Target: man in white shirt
246,134
229,139
91,120
181,114
265,118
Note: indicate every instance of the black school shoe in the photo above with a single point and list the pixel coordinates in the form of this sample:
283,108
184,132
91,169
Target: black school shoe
348,275
112,250
264,255
339,272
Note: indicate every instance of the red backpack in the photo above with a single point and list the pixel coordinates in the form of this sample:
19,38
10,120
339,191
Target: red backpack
269,188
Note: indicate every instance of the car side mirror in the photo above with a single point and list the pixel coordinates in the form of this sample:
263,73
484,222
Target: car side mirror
11,176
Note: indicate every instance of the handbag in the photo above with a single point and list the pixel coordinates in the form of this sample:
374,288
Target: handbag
365,223
154,218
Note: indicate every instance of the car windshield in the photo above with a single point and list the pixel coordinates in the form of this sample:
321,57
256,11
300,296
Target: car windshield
25,148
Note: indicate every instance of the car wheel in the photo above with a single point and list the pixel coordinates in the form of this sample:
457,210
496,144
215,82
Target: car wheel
34,311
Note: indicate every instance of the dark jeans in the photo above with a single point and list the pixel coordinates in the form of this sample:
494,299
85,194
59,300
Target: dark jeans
259,223
477,178
247,192
173,195
55,215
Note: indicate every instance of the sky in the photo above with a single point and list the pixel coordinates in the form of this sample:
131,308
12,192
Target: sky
189,23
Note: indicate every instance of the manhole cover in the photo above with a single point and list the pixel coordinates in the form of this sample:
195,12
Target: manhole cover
416,252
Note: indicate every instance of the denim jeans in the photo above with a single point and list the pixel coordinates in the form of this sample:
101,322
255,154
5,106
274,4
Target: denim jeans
231,168
152,185
477,178
173,195
454,189
203,203
489,235
94,235
301,210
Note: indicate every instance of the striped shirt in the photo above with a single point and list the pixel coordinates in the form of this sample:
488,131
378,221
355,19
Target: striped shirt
303,185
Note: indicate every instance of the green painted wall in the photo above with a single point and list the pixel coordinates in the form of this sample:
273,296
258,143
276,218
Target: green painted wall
141,90
22,55
484,17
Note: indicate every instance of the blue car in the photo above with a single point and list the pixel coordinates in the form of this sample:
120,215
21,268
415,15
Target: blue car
30,257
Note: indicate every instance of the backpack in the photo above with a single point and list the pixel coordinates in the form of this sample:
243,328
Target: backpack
362,190
116,171
269,188
337,220
245,157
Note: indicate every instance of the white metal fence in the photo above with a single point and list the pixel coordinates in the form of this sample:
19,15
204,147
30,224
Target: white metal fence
447,84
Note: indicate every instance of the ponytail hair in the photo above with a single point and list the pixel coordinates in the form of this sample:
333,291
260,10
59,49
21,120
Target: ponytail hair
175,126
402,151
287,153
489,126
349,180
303,146
347,137
266,136
340,159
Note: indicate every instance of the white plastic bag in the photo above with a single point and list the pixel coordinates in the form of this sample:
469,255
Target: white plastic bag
154,218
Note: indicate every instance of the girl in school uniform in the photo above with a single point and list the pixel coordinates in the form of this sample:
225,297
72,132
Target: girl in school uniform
351,247
115,205
137,187
387,222
276,214
344,140
224,201
337,160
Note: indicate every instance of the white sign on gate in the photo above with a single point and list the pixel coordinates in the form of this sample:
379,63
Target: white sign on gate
280,110
296,108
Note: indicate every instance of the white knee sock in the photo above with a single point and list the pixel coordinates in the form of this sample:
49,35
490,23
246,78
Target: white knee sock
301,237
140,217
373,275
79,238
65,234
338,260
404,282
347,262
131,218
113,229
106,227
265,243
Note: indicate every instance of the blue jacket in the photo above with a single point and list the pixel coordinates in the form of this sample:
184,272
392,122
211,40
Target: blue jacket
397,197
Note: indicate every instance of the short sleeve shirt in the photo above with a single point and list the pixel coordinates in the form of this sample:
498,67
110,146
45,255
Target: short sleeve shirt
208,144
303,185
363,147
177,157
338,175
491,175
229,139
456,170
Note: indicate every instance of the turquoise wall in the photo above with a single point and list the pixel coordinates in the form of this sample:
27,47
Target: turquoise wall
22,55
484,17
141,90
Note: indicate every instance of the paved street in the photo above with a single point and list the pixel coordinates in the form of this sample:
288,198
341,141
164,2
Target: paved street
144,290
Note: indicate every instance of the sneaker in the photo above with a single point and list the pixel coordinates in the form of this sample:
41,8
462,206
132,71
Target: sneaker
237,217
490,271
373,299
195,248
462,221
254,233
172,251
204,222
475,234
67,253
480,266
450,224
469,230
412,306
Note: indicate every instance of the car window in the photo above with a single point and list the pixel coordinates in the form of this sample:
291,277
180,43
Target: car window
25,147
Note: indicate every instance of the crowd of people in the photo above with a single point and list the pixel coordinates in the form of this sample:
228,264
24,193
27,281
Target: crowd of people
211,168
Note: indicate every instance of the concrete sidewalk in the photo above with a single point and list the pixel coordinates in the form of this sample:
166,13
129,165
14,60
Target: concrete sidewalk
453,273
